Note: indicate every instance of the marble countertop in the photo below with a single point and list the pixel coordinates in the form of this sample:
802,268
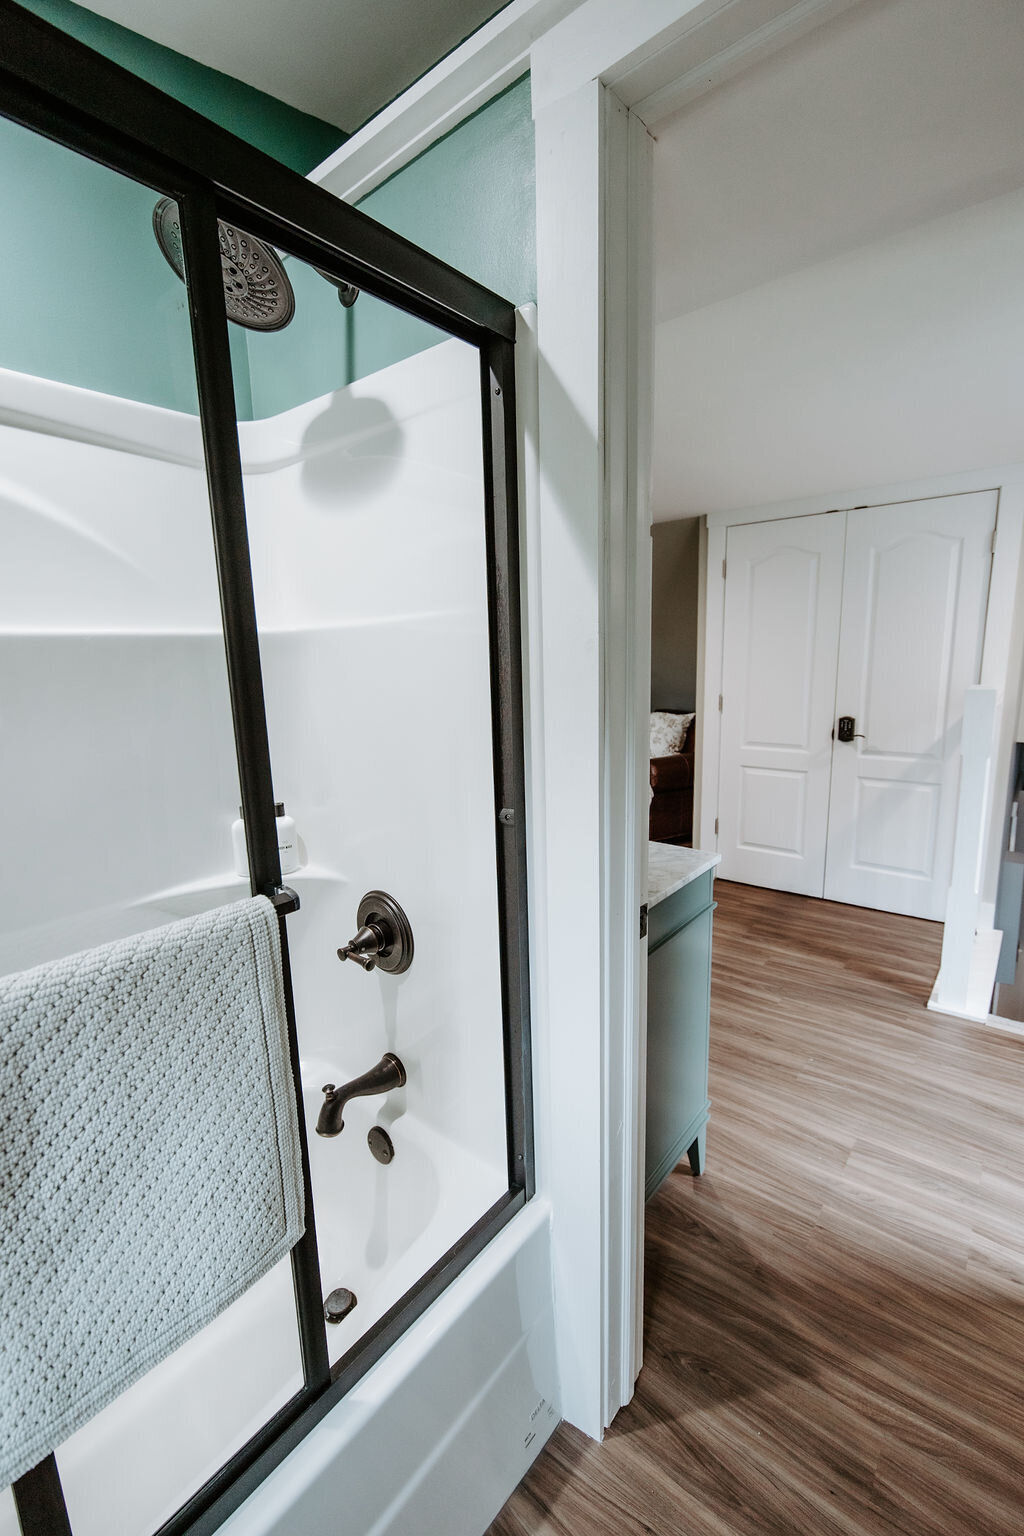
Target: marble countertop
670,868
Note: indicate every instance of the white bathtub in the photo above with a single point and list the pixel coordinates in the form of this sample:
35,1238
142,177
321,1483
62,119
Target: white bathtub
436,1436
379,1228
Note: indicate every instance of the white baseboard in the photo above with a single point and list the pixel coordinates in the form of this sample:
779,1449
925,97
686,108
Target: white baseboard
1008,1026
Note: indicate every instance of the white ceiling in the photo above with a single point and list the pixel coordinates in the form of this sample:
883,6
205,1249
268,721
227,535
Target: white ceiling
897,112
839,262
341,60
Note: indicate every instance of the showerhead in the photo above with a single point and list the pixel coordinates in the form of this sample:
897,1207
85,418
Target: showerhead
257,293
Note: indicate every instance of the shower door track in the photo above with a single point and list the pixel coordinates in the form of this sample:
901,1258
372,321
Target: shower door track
65,91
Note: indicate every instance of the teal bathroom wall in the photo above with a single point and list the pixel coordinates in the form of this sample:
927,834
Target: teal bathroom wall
113,317
469,199
91,300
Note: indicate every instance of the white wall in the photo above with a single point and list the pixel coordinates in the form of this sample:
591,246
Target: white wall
890,363
895,114
839,243
366,518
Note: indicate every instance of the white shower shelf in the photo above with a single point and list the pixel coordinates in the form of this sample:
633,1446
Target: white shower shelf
194,895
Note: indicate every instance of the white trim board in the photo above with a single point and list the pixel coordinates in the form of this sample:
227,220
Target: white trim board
1008,1026
720,58
962,483
479,69
989,1020
657,55
595,346
628,346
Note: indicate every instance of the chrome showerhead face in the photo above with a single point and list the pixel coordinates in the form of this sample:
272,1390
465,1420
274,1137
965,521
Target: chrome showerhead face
257,293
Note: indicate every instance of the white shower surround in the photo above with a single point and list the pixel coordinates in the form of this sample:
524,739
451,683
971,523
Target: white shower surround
365,512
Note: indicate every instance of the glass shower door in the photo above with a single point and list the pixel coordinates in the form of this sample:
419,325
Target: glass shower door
117,757
366,512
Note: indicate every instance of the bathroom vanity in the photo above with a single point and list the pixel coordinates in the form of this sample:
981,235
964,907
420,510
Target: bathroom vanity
680,904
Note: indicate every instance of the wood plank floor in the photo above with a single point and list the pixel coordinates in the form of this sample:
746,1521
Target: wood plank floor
835,1311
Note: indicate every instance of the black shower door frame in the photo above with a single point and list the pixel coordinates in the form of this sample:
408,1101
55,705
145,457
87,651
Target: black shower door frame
65,91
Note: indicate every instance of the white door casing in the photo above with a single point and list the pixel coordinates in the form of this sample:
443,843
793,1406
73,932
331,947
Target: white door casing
782,604
914,598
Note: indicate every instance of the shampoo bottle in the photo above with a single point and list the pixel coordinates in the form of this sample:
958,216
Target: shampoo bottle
287,840
287,843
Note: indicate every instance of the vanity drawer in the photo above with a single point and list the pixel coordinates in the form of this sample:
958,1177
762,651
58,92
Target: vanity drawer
679,909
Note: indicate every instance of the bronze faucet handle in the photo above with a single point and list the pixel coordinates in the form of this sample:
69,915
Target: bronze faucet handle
384,941
365,947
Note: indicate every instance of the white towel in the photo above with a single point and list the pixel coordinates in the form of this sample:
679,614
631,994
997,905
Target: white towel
149,1160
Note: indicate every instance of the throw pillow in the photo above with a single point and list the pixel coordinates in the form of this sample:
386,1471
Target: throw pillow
668,732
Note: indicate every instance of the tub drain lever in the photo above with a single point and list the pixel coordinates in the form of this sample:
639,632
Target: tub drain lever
339,1304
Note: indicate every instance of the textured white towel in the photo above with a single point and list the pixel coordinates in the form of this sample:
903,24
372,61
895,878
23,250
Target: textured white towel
149,1160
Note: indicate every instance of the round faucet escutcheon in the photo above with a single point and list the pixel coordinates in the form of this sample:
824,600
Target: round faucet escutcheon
384,940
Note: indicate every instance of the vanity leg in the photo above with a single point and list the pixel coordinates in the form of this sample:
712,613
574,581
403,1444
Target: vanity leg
697,1153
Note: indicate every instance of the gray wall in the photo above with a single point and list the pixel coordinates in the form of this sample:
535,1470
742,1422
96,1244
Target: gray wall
674,614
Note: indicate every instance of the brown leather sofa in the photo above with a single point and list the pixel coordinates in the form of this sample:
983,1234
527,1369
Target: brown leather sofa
671,819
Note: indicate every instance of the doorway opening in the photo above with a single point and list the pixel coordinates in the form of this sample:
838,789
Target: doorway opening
831,414
822,348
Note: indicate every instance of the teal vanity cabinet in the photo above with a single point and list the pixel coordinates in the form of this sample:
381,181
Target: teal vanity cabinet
678,1011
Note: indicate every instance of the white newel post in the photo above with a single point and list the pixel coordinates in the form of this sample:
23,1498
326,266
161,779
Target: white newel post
967,971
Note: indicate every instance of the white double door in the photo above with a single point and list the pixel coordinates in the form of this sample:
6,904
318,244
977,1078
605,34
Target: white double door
876,614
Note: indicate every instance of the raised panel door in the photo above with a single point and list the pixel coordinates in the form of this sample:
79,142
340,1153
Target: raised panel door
782,605
914,597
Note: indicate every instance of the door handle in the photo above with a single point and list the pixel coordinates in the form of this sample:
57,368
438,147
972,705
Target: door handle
845,729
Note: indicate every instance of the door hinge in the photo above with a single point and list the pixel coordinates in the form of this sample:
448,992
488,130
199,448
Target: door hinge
992,545
723,570
643,921
720,703
716,826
